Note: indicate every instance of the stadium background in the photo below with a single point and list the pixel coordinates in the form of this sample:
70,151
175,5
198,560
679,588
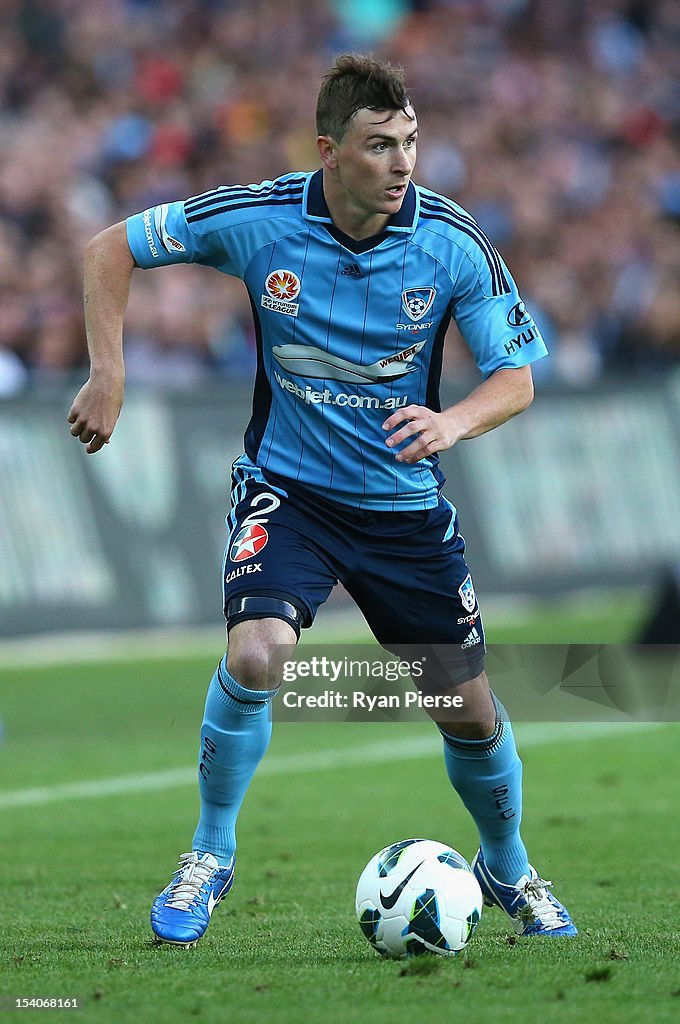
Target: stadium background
555,124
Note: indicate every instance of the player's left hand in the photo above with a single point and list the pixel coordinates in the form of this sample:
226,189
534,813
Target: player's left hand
431,432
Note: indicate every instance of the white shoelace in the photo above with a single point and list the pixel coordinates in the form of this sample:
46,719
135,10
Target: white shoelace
191,875
541,906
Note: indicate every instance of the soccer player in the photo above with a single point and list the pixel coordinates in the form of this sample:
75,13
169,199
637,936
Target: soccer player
354,273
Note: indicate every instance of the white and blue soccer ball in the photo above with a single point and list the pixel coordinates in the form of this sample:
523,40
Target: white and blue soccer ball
418,896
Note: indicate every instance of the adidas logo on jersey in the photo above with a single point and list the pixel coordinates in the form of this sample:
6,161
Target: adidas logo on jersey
471,639
352,270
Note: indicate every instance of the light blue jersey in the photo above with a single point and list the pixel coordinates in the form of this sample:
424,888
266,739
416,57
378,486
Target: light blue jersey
347,331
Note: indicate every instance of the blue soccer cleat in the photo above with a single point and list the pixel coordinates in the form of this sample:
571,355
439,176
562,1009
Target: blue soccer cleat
532,909
181,914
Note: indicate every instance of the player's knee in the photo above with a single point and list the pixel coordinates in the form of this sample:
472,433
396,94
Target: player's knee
258,649
254,667
477,714
470,730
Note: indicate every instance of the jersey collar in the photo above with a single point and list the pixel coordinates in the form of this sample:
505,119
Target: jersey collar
314,206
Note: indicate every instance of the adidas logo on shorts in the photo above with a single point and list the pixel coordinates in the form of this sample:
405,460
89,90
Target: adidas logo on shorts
471,639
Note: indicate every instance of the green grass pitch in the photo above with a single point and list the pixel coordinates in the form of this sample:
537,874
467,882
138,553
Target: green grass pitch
81,866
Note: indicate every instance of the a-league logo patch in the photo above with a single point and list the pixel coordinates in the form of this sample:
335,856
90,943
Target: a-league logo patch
248,542
282,287
467,593
417,301
283,284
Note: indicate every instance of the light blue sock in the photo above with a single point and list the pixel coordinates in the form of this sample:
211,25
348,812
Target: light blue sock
234,737
487,775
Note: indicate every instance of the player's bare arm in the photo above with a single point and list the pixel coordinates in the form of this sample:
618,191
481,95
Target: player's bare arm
108,266
503,395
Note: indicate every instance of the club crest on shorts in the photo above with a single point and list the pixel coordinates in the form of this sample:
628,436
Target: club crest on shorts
467,593
248,542
417,301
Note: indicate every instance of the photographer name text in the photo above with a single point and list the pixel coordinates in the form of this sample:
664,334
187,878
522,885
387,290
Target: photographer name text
370,702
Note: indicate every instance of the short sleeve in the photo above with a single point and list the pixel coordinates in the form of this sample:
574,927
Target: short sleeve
161,236
498,328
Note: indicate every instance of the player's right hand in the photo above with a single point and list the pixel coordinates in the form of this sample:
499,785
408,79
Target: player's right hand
94,413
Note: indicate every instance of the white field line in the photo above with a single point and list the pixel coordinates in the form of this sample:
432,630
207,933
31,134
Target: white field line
143,644
533,734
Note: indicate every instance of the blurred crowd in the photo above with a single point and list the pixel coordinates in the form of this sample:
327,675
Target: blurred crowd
555,122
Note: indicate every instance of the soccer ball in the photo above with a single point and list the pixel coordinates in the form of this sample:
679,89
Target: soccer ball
417,896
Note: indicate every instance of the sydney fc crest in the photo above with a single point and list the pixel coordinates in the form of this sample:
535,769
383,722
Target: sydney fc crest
417,301
467,594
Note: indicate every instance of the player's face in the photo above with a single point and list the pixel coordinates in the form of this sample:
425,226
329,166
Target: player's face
375,160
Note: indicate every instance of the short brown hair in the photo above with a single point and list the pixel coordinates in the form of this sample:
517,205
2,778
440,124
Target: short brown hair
353,83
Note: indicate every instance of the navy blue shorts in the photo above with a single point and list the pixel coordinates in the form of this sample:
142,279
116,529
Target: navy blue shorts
406,571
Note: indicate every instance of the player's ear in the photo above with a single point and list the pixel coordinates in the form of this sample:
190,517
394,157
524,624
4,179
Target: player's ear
327,147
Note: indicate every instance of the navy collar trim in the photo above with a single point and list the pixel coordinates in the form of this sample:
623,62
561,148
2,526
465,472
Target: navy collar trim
314,206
